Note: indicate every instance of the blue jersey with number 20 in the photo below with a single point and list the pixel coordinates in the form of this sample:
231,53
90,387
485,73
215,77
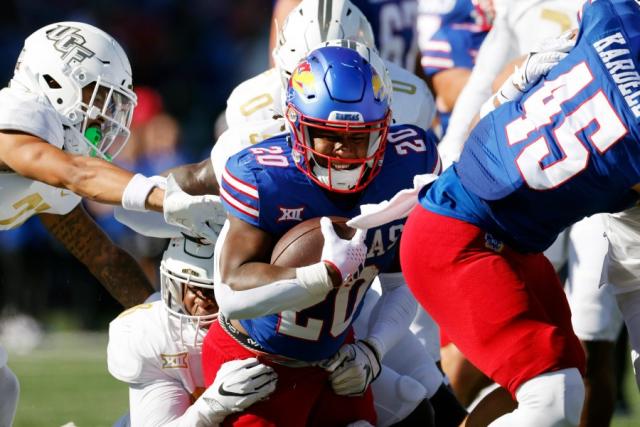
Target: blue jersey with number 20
262,186
570,148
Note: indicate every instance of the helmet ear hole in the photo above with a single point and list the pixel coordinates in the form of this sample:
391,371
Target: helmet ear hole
51,82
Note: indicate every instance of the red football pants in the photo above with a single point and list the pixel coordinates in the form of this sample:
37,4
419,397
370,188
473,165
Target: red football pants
303,396
505,310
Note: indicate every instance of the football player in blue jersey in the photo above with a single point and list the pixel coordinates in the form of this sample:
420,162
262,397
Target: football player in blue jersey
340,152
448,55
566,150
393,23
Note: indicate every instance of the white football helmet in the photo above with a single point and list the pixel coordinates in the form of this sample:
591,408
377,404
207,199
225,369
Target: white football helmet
86,76
313,22
187,262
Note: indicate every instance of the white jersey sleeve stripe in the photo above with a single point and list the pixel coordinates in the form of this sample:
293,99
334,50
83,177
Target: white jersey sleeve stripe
437,45
467,26
432,61
240,186
242,207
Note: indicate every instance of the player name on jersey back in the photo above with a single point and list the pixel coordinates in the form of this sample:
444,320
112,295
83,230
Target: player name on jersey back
618,61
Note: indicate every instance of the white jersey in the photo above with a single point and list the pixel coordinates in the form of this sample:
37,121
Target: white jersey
622,263
237,138
20,197
162,368
510,37
583,246
260,98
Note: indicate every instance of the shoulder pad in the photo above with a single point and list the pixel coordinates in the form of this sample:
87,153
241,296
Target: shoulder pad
27,112
237,138
255,99
134,339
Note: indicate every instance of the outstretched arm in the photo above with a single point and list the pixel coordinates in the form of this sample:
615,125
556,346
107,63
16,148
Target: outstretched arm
99,180
89,177
112,266
238,385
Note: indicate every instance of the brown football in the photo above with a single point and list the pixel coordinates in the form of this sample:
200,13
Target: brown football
302,245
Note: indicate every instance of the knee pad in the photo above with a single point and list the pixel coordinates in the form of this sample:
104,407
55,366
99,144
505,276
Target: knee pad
553,399
395,396
429,376
410,358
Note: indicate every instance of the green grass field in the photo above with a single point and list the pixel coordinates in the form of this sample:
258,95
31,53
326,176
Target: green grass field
66,380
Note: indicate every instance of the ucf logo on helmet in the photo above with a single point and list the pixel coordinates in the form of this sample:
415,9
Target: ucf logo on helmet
68,41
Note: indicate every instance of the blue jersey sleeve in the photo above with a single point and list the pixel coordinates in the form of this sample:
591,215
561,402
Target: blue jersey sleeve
239,190
451,48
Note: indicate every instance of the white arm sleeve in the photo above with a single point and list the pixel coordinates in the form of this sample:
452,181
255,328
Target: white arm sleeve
150,224
159,403
495,52
290,294
167,403
393,313
267,299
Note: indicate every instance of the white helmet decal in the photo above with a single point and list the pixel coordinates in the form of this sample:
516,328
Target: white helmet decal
70,43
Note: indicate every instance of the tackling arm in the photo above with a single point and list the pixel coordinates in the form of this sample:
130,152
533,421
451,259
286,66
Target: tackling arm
104,182
112,266
238,385
89,177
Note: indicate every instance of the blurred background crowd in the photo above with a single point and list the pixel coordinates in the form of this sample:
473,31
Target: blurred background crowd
183,75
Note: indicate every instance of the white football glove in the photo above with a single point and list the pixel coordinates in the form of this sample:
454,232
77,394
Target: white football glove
353,368
238,385
345,255
537,64
202,215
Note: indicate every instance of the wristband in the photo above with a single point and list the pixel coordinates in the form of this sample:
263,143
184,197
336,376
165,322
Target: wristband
315,278
135,194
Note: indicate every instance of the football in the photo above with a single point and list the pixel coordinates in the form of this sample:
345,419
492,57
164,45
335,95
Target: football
302,245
